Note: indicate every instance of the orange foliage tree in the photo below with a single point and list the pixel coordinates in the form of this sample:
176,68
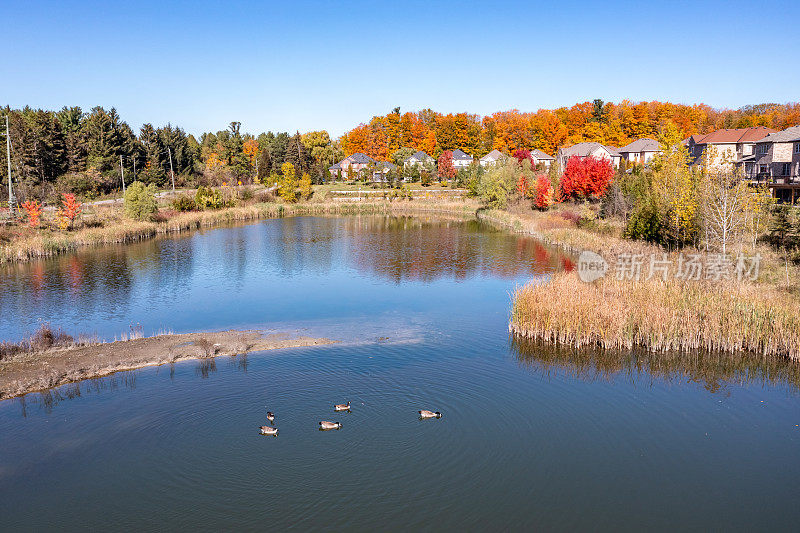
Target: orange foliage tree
70,209
34,211
614,124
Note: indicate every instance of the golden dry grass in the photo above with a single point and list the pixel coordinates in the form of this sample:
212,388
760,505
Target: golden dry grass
659,315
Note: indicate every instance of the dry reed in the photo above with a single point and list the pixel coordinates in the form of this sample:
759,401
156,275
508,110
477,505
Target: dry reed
659,315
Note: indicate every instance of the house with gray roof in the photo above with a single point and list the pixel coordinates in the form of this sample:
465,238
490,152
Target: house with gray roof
492,158
461,159
589,149
381,169
541,157
418,158
350,166
777,157
640,151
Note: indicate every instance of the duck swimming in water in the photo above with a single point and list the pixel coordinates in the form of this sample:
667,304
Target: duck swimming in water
429,414
342,407
271,417
325,425
267,430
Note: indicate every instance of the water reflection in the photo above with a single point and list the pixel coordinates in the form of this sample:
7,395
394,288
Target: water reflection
47,400
715,371
178,282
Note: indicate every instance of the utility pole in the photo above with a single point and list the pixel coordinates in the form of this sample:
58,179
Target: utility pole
170,168
122,172
12,203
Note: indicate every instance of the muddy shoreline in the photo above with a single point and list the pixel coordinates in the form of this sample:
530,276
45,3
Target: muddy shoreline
37,371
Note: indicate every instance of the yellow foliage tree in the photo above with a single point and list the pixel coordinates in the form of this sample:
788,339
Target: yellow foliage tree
287,186
306,189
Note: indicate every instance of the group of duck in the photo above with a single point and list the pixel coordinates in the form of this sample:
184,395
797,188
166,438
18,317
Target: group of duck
326,425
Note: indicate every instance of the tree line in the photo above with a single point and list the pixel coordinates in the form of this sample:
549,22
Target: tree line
604,122
87,153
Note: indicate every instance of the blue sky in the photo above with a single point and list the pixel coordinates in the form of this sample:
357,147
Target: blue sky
300,65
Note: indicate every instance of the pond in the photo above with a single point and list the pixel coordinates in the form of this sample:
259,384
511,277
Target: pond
530,437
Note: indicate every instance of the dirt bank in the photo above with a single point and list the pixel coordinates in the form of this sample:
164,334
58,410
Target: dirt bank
43,370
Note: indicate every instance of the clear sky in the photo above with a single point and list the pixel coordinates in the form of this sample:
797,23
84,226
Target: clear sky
305,65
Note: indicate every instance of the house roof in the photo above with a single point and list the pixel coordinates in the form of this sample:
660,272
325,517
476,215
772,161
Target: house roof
359,158
461,155
337,166
788,135
586,149
641,145
384,165
418,155
494,155
732,136
538,154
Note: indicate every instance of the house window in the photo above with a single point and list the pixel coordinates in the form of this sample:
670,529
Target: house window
762,149
797,148
762,169
786,167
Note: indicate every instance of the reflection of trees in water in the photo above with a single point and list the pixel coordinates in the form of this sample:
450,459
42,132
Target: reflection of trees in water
413,248
49,399
713,370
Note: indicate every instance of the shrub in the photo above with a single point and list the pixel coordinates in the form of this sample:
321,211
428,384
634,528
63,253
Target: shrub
140,201
645,224
183,203
208,198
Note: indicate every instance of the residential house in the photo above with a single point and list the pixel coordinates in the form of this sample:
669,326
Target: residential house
418,158
540,157
733,145
640,151
777,162
381,169
461,159
492,158
589,149
351,165
774,155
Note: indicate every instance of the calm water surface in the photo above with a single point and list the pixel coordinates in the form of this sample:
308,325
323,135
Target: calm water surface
531,437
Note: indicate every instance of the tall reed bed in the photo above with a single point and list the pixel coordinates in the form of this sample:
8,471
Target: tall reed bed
658,315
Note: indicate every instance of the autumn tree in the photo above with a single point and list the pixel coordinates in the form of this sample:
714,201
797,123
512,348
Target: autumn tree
69,210
445,166
287,186
306,188
544,195
587,177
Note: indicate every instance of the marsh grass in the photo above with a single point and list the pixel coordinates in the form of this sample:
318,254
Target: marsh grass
659,316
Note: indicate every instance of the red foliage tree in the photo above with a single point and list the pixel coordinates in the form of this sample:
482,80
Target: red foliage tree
445,166
586,178
543,196
34,210
521,155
